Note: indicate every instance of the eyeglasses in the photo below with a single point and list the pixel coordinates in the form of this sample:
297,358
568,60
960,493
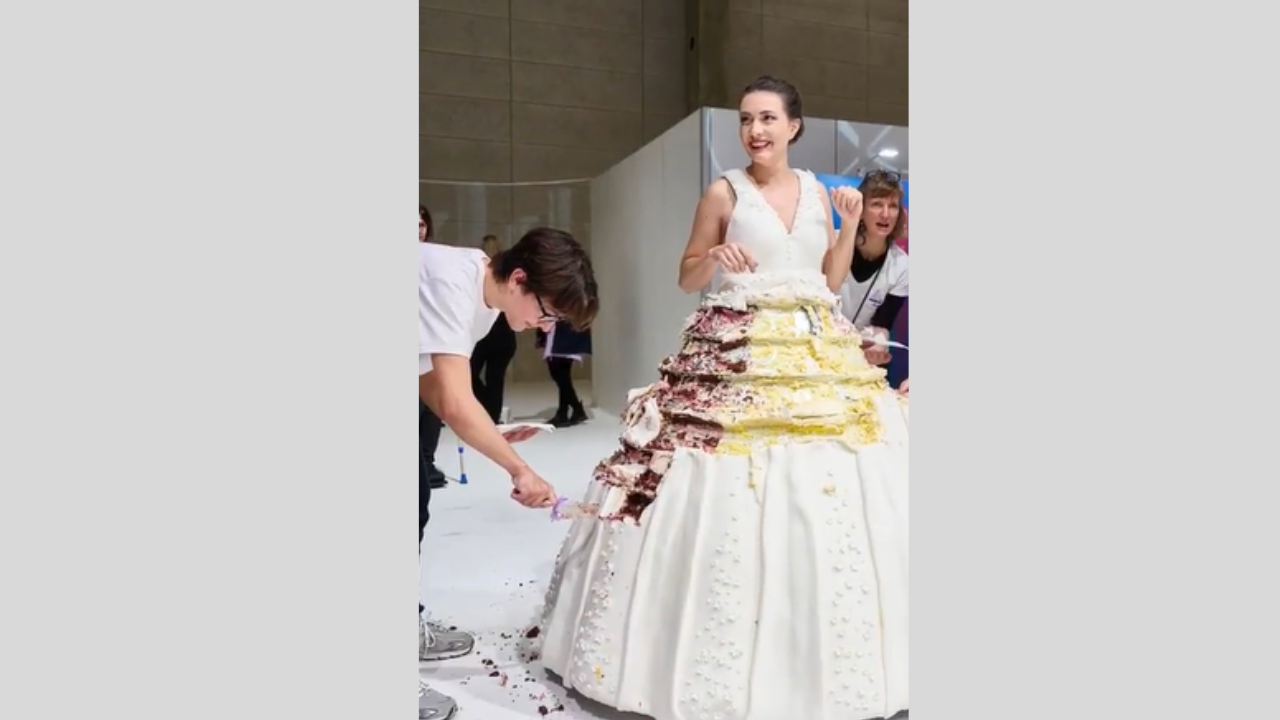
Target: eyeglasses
546,316
887,176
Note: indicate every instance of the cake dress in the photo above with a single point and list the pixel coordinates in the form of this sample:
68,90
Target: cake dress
746,556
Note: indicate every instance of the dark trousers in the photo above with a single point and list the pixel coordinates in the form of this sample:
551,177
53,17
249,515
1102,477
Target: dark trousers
561,370
429,427
424,504
489,362
899,368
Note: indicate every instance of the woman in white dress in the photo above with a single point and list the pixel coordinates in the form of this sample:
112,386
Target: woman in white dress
744,555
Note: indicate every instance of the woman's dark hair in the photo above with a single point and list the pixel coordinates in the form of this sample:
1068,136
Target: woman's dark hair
424,214
785,90
557,271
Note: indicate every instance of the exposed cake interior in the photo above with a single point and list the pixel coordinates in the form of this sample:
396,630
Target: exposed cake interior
769,362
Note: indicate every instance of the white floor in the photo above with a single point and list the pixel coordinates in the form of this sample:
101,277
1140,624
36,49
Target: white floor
486,562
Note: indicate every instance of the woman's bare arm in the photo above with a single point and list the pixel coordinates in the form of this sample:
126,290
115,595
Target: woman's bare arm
839,256
697,267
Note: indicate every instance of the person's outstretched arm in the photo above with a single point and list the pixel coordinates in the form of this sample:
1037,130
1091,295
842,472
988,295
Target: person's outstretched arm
446,389
445,317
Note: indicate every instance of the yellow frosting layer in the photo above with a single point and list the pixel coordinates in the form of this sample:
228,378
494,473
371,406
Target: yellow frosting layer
806,379
864,431
797,323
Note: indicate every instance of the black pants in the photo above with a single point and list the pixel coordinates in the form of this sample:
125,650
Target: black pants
489,362
424,503
561,370
429,427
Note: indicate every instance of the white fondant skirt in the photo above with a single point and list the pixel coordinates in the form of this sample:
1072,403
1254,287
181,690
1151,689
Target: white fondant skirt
772,587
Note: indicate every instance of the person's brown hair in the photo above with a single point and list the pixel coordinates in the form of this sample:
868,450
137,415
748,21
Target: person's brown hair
424,214
790,96
557,271
876,185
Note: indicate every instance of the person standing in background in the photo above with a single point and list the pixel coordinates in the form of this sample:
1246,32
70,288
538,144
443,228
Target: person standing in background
493,354
561,348
879,279
899,367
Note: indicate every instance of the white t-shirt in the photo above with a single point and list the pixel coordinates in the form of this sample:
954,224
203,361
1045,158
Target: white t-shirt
894,278
452,316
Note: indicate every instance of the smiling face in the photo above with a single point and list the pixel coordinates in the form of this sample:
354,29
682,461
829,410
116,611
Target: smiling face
765,128
770,118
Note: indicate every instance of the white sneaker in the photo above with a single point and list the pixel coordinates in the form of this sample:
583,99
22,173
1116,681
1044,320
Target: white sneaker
433,705
438,643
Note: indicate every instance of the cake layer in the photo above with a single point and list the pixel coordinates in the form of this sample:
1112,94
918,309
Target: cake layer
692,413
767,361
719,324
773,290
814,360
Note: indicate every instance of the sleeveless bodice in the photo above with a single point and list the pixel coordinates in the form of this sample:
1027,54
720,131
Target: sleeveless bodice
756,226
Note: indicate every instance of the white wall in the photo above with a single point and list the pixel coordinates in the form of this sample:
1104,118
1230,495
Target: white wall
641,212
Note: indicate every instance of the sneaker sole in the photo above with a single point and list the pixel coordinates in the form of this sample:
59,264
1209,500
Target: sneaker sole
453,712
437,706
450,655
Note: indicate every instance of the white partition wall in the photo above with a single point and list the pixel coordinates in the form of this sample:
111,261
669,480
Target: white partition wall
641,213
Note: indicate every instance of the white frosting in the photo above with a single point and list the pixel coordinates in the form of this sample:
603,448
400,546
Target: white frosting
612,500
775,289
660,462
691,614
645,428
818,410
637,392
629,473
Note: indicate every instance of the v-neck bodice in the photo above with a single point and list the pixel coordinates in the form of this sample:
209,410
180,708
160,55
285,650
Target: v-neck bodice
757,226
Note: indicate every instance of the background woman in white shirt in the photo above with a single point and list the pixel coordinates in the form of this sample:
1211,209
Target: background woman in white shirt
879,277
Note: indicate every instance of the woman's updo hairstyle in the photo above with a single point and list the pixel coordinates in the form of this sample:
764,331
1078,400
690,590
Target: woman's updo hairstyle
785,90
